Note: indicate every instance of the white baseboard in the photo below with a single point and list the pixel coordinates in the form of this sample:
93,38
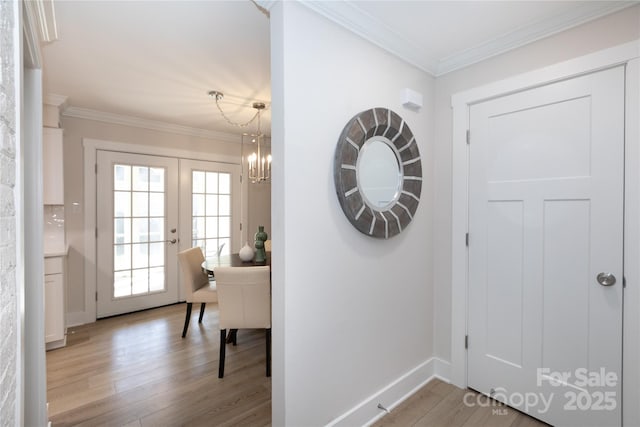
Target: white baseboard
78,318
442,369
367,412
52,345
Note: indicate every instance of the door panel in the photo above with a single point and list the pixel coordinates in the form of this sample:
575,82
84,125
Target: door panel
210,207
210,200
528,157
504,286
565,279
545,217
137,221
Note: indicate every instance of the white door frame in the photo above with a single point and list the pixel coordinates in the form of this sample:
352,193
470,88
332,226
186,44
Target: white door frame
628,53
91,146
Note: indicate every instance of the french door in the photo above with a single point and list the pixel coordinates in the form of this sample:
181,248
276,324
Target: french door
151,207
137,205
545,249
210,206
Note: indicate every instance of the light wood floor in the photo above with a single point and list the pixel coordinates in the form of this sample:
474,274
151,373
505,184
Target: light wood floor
442,404
136,370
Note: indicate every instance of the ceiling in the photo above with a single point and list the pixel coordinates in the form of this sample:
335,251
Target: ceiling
152,63
157,60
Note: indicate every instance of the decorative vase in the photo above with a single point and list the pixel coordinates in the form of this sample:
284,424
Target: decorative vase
260,237
246,253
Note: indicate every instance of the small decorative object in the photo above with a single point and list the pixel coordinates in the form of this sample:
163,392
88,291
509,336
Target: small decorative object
246,253
261,236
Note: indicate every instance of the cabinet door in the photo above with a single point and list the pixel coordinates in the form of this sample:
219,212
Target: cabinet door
53,307
52,167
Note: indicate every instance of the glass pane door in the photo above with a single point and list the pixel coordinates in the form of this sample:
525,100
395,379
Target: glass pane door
137,232
211,208
139,223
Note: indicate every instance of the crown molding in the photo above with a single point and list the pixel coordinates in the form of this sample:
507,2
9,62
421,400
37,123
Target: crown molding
118,119
32,53
530,33
45,19
265,4
39,27
348,15
48,26
59,101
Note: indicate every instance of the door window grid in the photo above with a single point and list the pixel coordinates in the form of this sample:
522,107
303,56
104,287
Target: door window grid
139,224
211,211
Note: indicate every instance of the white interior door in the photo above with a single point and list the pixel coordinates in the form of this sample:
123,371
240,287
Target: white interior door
545,218
137,205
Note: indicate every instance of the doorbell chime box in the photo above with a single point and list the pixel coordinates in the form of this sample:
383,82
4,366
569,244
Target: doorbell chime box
411,98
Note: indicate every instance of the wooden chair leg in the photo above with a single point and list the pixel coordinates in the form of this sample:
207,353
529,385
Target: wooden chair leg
223,339
186,319
201,312
268,336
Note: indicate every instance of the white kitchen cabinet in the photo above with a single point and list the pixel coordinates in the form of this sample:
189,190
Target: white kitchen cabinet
54,302
52,167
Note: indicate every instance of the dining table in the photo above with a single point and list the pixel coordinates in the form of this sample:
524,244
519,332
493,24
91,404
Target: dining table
231,260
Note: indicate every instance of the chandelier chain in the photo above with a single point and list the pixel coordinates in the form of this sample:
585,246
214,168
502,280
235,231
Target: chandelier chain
257,105
232,123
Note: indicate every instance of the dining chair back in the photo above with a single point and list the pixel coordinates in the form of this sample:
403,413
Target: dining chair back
244,302
196,284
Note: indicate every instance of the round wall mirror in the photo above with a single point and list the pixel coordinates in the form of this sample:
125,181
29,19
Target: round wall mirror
378,173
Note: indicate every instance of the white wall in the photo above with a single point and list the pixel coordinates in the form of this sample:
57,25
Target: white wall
609,31
351,314
259,210
75,129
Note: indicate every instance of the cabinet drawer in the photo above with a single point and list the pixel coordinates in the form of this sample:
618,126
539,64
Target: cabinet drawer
53,265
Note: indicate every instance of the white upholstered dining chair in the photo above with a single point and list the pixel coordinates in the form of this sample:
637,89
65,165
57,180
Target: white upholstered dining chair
244,302
197,287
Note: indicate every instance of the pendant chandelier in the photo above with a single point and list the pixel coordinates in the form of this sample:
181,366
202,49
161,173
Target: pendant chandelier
258,161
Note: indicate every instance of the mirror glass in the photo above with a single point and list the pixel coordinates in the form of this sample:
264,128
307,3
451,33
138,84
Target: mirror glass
379,174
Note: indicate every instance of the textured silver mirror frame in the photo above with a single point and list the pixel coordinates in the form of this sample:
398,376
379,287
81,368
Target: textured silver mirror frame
390,221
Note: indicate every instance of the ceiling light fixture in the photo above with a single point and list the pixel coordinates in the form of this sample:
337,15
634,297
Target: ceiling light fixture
259,161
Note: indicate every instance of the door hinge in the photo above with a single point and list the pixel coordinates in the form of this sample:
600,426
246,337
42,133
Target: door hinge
466,341
624,282
468,136
96,168
96,295
96,232
241,179
240,226
466,239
